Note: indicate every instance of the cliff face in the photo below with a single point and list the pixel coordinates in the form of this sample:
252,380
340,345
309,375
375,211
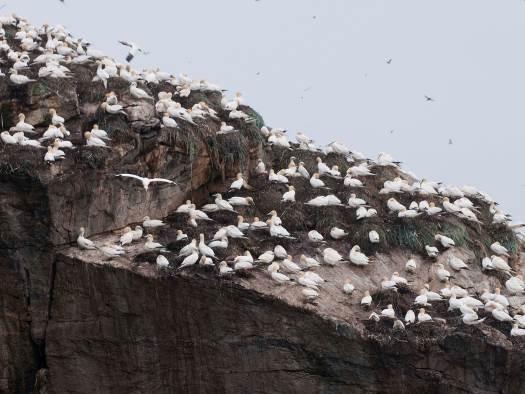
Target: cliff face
72,321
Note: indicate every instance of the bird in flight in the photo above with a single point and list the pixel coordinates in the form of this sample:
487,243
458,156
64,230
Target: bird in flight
388,61
428,98
146,181
133,50
450,141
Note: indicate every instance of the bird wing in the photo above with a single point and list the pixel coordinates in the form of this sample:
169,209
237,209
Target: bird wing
161,180
125,43
131,176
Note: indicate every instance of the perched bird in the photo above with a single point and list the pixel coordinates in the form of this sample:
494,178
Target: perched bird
366,301
84,243
152,223
446,242
373,236
315,236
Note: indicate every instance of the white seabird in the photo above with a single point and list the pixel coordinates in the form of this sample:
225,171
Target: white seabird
373,236
152,223
446,242
332,257
146,181
315,236
150,245
84,243
337,233
189,260
366,301
162,262
358,258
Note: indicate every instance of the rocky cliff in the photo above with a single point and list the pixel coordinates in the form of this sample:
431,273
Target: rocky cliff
74,321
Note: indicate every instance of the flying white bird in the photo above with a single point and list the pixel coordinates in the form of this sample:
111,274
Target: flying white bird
146,181
133,50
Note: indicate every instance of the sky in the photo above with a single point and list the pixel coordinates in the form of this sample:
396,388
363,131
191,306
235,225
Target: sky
319,67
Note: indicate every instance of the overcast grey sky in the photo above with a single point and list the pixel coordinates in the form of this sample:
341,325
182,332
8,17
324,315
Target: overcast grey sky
319,66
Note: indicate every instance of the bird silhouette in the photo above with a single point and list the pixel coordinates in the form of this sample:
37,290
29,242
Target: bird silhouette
428,98
388,61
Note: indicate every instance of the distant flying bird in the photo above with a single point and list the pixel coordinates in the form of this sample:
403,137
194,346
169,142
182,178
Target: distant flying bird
146,181
429,98
133,50
388,61
392,131
450,141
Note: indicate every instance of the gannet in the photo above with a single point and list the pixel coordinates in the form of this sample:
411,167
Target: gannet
102,73
366,301
301,170
241,201
348,287
110,251
168,122
337,233
433,210
457,264
442,274
289,196
226,129
185,208
309,262
8,139
339,148
373,236
362,213
355,202
315,236
388,284
204,249
450,207
274,218
49,156
394,206
243,265
55,119
189,248
189,260
223,204
277,276
499,249
432,251
273,177
302,138
356,257
421,299
84,243
516,331
241,225
466,213
162,262
374,316
91,140
289,265
267,257
247,256
127,236
499,264
234,232
239,183
351,182
113,109
389,312
152,223
139,93
423,316
515,285
19,79
410,317
150,244
411,266
257,224
315,182
324,201
137,233
500,298
219,244
224,269
303,280
446,242
501,314
409,213
472,319
332,257
260,168
311,294
23,126
146,181
278,230
133,50
360,170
